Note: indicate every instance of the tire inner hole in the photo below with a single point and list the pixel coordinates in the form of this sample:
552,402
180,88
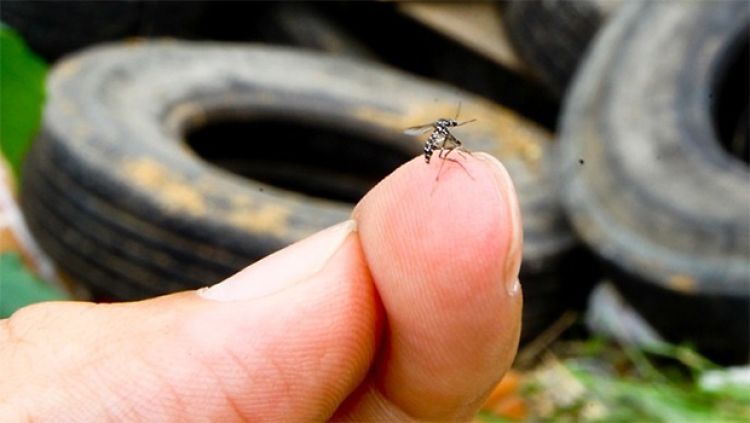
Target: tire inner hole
730,107
308,158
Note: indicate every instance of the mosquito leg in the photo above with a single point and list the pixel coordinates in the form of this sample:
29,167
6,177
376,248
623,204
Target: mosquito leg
442,162
444,155
460,150
462,166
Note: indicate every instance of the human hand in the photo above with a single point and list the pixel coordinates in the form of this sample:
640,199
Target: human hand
409,311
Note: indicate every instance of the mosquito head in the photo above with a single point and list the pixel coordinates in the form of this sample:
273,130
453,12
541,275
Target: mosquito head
446,123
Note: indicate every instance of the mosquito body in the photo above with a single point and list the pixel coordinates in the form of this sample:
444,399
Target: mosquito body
437,139
441,138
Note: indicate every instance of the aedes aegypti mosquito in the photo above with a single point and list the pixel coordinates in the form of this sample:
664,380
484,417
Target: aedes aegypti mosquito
441,138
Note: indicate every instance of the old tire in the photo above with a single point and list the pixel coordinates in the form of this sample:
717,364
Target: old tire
303,25
53,29
114,196
552,36
645,179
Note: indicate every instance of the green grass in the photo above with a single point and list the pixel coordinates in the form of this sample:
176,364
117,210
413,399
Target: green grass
664,400
599,381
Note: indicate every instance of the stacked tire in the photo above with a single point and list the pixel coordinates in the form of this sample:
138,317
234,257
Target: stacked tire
647,179
552,36
112,192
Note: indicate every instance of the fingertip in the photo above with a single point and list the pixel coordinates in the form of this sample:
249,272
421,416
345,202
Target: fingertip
467,223
438,252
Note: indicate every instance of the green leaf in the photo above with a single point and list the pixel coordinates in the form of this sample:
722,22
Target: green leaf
21,97
19,288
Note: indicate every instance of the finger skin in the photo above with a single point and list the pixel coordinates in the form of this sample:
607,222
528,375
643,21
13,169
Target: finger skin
437,255
294,355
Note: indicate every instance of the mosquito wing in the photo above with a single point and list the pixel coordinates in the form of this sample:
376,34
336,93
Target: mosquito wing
419,130
465,122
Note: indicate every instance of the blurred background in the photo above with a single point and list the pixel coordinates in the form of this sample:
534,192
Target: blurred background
155,146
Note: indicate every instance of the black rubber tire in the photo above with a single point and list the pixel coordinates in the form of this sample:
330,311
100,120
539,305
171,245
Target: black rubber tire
111,193
303,25
55,28
645,179
552,36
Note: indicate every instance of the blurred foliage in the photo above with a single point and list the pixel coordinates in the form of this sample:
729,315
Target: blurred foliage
18,287
22,77
599,381
21,96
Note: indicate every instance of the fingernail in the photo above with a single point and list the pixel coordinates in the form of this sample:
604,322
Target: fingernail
513,287
283,268
515,250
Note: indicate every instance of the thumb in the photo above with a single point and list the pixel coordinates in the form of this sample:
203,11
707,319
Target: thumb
287,338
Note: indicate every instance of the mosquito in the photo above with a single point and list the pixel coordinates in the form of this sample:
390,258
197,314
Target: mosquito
441,138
